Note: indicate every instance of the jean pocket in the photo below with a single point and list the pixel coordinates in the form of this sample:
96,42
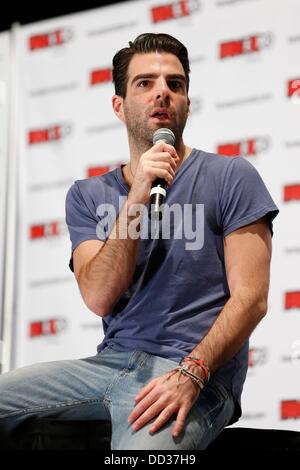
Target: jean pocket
211,403
219,389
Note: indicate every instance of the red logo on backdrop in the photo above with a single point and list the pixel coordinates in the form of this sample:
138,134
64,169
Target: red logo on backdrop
51,134
100,170
47,327
100,76
292,300
174,10
57,37
245,148
257,356
47,230
290,409
247,45
97,171
291,192
293,87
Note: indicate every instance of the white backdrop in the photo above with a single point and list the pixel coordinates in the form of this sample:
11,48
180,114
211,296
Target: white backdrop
245,94
4,116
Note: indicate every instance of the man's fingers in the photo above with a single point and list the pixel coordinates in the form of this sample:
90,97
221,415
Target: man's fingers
141,407
180,420
163,418
157,402
149,413
144,391
162,146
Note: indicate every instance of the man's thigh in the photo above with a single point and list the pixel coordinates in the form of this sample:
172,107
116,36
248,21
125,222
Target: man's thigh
206,419
208,416
72,389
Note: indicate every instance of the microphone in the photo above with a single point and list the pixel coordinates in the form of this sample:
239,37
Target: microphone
158,188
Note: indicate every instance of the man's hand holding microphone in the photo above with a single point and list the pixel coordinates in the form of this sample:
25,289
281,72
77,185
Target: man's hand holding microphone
155,172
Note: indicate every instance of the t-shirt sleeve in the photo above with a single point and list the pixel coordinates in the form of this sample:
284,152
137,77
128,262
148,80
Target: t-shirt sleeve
81,221
244,197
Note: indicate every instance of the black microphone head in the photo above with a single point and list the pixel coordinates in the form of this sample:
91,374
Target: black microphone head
164,134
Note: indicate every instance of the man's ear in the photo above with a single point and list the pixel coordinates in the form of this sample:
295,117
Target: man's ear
117,104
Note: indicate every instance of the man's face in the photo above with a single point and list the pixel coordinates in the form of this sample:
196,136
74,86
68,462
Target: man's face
156,96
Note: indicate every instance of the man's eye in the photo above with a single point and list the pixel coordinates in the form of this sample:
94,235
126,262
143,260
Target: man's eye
143,83
175,85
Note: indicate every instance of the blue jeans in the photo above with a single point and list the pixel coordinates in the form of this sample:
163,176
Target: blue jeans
104,387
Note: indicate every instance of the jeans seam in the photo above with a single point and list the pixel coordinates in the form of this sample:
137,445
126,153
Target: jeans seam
110,386
139,361
49,407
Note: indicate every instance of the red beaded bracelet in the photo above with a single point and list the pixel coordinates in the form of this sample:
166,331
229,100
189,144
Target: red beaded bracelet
201,363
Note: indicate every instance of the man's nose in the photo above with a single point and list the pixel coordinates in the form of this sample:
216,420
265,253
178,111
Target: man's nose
162,91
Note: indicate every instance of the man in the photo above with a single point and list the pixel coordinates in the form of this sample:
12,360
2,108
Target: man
177,316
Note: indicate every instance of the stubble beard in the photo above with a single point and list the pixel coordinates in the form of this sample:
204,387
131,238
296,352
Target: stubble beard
140,130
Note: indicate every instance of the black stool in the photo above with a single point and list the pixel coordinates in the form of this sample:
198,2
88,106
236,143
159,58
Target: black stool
256,439
51,434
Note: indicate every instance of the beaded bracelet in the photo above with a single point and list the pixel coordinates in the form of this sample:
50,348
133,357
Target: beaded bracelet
183,369
201,363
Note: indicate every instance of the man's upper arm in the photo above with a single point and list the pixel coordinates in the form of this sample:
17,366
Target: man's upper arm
247,253
83,253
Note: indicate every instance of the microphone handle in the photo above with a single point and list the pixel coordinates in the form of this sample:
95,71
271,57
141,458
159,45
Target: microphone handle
157,197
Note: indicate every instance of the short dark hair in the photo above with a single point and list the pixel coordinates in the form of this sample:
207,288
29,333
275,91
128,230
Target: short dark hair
144,44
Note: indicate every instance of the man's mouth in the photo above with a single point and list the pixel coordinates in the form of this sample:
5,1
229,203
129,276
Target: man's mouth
161,115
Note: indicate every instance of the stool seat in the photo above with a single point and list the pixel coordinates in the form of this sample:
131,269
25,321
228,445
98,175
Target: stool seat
256,439
51,434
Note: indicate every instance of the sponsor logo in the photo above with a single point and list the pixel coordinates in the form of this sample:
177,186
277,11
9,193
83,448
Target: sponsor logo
257,357
50,134
293,87
245,148
47,327
100,76
293,90
97,171
58,37
290,409
174,10
47,230
101,170
292,300
291,192
247,45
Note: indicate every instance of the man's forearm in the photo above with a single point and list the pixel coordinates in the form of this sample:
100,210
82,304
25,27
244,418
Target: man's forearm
239,317
106,277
